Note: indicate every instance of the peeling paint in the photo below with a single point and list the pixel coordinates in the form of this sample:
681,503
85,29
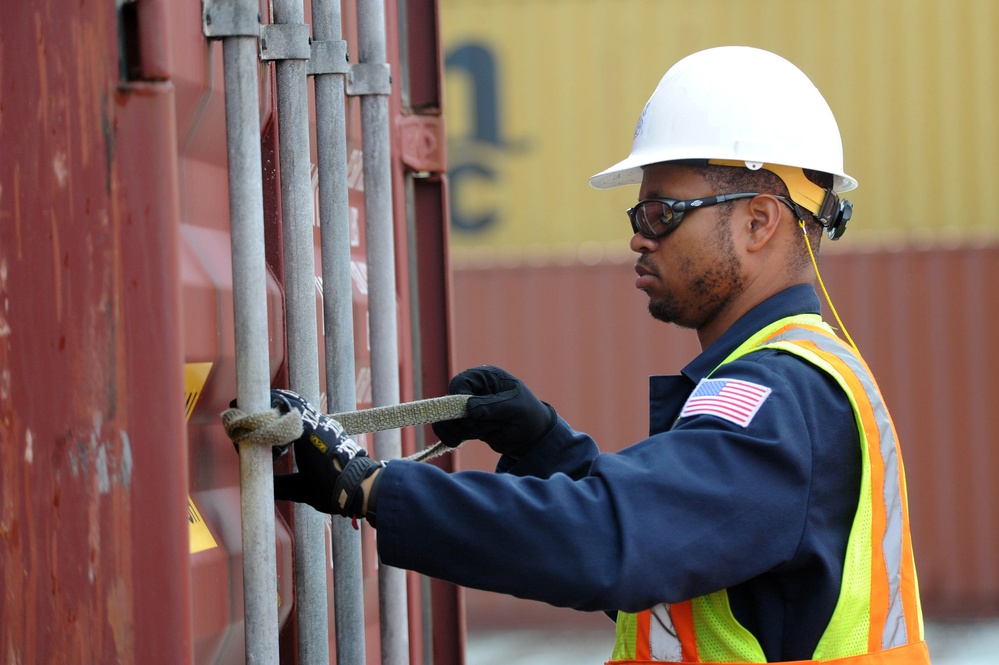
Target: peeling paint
60,169
4,325
103,479
126,460
74,466
94,538
96,455
29,452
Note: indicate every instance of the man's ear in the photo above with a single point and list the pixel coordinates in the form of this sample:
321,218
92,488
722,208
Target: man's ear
765,213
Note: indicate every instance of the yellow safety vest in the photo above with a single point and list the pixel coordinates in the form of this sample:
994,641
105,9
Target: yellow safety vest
878,619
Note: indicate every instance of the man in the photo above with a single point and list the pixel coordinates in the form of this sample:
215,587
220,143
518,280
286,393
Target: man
764,519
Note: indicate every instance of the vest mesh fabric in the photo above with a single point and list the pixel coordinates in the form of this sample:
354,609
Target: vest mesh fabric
734,644
625,637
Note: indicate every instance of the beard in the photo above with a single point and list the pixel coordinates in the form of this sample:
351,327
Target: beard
667,309
710,289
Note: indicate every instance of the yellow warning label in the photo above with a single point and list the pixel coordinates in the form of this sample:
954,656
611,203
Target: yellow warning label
201,537
195,375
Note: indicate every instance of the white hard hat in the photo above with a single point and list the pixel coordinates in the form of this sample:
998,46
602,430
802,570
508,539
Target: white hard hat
734,103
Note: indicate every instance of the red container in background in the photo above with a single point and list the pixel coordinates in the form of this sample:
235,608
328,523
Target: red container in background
582,338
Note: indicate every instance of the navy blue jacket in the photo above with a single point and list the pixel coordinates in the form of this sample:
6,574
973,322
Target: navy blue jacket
763,511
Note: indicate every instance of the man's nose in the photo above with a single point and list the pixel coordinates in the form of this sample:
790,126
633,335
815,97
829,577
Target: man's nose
642,245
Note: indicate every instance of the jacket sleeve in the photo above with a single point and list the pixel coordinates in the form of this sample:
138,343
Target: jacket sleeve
702,507
563,450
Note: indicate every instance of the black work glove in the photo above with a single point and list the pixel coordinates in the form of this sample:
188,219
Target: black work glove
331,465
503,413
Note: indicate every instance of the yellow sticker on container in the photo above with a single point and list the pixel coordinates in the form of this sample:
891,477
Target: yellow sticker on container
195,375
201,537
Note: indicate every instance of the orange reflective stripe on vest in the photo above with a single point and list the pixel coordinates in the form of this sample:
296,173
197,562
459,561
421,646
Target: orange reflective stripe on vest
895,614
877,617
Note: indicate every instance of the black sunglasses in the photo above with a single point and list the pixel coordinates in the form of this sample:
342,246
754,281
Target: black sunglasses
655,217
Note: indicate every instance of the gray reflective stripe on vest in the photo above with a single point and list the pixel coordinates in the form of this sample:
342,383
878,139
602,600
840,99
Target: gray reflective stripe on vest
664,644
894,630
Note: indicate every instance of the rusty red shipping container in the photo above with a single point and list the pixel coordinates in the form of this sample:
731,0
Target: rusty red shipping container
116,330
583,340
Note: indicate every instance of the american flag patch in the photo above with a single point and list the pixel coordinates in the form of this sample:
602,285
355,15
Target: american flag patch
731,399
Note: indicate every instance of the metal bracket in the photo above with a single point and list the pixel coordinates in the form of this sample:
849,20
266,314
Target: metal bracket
366,78
285,41
422,143
230,18
329,57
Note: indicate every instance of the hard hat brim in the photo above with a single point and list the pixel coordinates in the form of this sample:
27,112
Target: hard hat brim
629,172
626,172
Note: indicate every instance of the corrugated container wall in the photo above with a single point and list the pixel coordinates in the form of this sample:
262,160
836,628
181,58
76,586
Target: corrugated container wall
544,93
120,505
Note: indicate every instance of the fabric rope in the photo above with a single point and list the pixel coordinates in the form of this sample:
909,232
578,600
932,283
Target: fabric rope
420,412
272,428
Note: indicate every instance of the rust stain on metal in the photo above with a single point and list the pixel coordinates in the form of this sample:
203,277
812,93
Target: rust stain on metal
43,72
66,459
17,211
57,265
11,493
88,78
120,617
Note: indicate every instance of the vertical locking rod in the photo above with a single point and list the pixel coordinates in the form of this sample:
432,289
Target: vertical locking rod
249,282
380,237
300,311
334,221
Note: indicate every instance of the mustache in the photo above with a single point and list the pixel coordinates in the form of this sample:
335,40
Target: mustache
646,263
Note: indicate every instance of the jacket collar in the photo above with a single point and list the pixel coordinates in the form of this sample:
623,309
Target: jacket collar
799,299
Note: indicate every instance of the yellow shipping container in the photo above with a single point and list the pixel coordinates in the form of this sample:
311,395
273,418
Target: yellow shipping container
541,94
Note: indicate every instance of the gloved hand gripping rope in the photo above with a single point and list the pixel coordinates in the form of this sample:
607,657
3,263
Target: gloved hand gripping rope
325,453
486,403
